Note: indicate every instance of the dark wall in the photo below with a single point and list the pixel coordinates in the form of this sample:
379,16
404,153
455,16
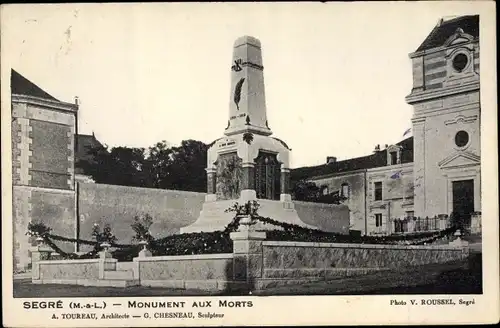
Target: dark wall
51,150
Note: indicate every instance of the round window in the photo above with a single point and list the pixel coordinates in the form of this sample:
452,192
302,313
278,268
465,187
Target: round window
461,138
460,62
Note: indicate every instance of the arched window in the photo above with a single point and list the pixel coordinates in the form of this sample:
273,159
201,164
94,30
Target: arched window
345,191
325,190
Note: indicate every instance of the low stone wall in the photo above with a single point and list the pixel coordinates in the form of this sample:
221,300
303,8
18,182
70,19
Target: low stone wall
206,272
255,264
66,271
322,261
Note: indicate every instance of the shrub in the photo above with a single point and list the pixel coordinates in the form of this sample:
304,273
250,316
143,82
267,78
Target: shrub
193,243
141,227
38,229
104,236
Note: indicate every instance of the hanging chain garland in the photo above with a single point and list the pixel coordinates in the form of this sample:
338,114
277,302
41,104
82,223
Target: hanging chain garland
220,241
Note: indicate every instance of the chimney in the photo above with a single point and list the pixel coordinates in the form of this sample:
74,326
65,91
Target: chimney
331,159
77,102
377,148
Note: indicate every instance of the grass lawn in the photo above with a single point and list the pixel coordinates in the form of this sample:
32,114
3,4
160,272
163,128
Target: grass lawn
450,278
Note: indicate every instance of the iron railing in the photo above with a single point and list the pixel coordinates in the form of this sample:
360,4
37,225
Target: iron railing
414,224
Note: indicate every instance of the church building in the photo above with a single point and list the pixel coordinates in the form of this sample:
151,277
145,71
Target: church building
435,172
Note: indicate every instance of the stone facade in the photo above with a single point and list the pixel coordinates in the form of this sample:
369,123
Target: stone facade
43,131
356,200
397,196
446,121
442,173
372,211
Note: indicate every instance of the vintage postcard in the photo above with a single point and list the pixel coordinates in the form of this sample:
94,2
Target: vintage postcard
215,164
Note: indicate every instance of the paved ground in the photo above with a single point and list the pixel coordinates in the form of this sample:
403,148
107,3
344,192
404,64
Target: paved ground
453,278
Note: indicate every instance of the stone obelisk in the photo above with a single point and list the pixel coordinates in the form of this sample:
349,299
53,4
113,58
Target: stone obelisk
247,103
247,164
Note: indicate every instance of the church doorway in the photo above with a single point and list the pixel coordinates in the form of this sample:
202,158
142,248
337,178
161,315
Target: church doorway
463,200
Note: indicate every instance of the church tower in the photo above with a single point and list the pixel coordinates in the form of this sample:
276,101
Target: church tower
246,164
446,119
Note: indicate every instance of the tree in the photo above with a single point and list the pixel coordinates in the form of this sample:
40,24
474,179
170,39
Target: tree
161,166
121,166
305,191
187,169
159,163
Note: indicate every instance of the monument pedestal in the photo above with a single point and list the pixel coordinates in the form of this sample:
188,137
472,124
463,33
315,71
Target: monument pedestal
214,218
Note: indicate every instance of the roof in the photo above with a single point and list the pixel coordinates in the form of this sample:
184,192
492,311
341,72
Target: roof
83,144
22,86
377,159
442,32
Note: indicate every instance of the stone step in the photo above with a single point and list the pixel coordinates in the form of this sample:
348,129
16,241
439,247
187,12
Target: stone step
216,213
119,275
125,266
113,283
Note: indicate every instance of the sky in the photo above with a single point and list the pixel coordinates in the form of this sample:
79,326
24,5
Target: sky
336,74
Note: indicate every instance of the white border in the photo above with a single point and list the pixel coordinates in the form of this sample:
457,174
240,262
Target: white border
307,310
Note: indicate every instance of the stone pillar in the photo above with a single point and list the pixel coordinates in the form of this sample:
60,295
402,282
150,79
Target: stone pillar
248,256
458,242
106,261
285,185
248,176
475,223
248,192
419,166
211,185
144,251
441,221
40,252
411,225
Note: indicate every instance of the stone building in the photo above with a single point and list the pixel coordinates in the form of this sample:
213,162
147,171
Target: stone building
375,186
43,151
47,153
437,171
446,119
